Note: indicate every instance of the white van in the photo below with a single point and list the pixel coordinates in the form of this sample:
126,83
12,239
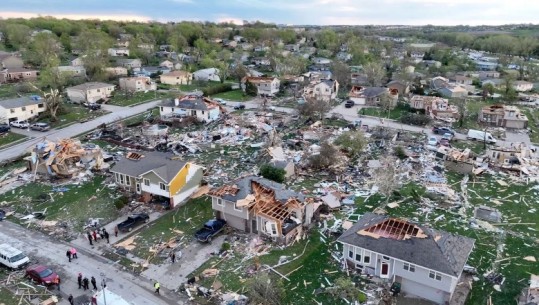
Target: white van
12,258
481,136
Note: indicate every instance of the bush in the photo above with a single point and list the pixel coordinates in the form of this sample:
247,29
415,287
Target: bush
225,247
121,202
400,153
273,173
217,89
415,119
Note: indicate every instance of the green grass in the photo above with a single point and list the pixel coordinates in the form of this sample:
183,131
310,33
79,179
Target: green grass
475,146
187,218
315,265
121,99
81,201
7,297
72,114
234,95
394,114
10,137
12,90
533,124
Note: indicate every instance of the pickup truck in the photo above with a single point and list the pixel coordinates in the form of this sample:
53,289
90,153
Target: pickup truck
20,124
210,229
133,221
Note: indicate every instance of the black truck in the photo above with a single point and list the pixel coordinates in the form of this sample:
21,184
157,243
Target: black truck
210,229
133,221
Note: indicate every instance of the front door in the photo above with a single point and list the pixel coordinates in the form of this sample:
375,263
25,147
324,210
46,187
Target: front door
384,273
254,228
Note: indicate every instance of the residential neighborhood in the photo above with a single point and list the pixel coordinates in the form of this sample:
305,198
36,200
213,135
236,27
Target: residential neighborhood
260,162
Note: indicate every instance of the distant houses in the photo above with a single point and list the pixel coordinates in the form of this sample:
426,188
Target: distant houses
90,92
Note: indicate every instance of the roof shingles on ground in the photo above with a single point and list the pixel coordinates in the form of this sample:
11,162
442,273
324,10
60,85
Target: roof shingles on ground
245,188
440,251
161,163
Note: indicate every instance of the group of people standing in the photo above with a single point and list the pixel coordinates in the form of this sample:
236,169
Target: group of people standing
98,234
71,253
84,283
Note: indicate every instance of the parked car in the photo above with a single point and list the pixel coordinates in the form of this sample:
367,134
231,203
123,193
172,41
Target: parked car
220,101
432,141
92,106
349,104
133,221
12,258
447,136
240,106
41,274
210,229
40,126
19,124
480,136
444,142
442,130
4,128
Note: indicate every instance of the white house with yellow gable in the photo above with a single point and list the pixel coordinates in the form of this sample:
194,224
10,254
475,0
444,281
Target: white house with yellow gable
157,175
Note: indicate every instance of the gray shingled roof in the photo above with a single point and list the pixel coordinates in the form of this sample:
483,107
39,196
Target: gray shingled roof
371,92
245,186
20,102
188,103
91,85
448,254
160,163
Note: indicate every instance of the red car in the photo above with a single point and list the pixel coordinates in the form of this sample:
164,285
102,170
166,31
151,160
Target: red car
41,274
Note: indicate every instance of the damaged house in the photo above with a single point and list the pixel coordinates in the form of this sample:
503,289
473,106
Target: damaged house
257,205
196,105
503,116
158,175
427,263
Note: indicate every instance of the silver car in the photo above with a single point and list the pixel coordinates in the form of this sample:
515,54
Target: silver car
40,126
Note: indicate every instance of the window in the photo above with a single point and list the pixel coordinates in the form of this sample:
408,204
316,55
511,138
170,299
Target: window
236,208
367,258
219,201
146,182
385,257
350,253
117,177
358,257
12,110
161,109
127,180
435,275
202,111
98,90
23,108
408,267
122,181
162,186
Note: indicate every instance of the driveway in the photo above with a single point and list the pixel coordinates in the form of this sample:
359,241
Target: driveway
45,250
75,129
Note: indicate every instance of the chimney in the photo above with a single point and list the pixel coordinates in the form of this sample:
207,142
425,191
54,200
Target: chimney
177,102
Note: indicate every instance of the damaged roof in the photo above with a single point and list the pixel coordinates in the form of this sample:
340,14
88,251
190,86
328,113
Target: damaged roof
245,188
436,250
161,163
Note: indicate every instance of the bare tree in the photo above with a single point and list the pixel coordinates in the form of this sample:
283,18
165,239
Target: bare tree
325,158
386,177
341,72
352,142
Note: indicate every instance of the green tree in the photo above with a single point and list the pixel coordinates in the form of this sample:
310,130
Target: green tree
94,46
250,89
16,35
273,173
262,289
238,72
288,36
44,50
65,40
353,142
341,73
375,73
325,158
328,39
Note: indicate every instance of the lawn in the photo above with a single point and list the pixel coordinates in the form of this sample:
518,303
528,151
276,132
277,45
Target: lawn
312,269
72,113
187,219
393,114
73,206
10,137
7,297
533,124
121,99
234,95
475,146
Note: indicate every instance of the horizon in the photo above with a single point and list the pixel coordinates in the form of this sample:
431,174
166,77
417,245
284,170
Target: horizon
298,13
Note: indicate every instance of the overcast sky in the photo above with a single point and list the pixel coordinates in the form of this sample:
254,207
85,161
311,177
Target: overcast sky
316,12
